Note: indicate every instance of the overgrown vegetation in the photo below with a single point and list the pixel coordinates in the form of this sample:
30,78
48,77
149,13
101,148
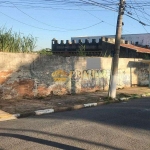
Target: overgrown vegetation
13,42
147,56
81,50
106,54
46,51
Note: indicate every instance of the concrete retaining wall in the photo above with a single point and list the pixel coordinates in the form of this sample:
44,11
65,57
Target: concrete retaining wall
28,75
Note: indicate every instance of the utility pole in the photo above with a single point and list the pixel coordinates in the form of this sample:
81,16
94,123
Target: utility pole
115,60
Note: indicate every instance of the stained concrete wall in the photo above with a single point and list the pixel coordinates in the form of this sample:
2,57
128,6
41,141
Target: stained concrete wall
39,75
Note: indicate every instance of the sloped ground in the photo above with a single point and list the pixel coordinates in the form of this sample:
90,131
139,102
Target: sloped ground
23,105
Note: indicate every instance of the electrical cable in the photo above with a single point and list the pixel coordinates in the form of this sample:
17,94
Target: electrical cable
49,29
55,26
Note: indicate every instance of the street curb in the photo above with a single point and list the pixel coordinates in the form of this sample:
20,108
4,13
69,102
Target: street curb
75,107
58,109
70,108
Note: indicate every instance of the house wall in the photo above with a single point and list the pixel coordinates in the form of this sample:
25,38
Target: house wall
103,48
28,75
75,46
142,39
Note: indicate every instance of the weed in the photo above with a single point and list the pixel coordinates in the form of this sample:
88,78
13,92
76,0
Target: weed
81,50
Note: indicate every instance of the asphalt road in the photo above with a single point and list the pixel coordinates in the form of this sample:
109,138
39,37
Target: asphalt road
117,126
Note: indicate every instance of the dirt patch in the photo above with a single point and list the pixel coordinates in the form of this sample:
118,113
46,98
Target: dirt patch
23,105
29,105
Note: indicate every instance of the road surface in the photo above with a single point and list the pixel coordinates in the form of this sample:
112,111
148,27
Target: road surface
120,126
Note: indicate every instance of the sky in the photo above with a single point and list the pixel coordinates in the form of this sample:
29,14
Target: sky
62,20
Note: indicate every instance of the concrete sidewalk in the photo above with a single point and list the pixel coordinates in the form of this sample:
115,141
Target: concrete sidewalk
6,116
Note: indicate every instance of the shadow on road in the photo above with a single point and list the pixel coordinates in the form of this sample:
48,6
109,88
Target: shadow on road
51,143
40,141
132,115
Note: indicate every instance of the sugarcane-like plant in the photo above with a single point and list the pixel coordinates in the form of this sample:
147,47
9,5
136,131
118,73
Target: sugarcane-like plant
14,42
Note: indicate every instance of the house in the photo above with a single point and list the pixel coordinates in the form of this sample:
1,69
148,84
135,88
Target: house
104,47
137,39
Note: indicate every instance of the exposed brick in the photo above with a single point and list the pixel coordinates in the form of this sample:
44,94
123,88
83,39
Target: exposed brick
60,90
5,73
4,76
24,87
42,90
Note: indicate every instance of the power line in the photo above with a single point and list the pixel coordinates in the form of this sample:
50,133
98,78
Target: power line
141,9
99,18
89,2
100,4
95,16
55,26
29,24
49,4
49,29
139,18
45,7
51,25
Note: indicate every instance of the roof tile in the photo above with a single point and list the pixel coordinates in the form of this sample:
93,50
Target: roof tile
136,48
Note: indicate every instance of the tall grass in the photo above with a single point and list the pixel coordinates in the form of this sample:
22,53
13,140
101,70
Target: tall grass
14,42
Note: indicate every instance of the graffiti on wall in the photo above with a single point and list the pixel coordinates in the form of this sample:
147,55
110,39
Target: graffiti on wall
89,79
123,78
143,76
95,78
60,75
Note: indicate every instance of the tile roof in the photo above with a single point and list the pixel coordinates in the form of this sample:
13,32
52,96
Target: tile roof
136,48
